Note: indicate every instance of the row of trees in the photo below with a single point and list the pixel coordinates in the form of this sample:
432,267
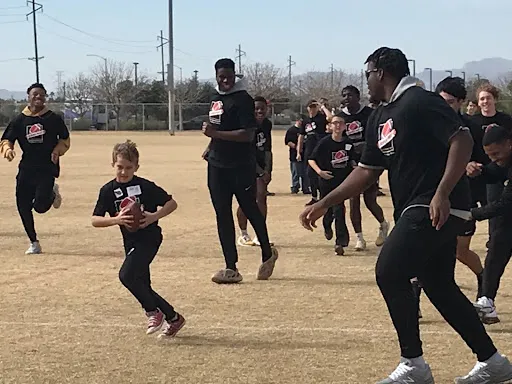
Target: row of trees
114,84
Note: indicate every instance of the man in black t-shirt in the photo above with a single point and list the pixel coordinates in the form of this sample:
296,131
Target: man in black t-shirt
43,138
297,169
333,159
313,129
263,143
231,157
420,140
453,90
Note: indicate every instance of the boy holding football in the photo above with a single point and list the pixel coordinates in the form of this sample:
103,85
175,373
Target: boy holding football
133,203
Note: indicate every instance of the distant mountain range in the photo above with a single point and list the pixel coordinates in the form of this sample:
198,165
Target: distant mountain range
492,69
16,95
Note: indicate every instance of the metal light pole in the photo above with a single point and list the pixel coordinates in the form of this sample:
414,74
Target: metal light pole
413,66
464,76
477,76
103,58
136,77
450,72
430,70
170,72
181,72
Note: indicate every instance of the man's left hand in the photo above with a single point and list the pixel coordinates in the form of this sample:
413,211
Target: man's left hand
439,210
209,130
310,215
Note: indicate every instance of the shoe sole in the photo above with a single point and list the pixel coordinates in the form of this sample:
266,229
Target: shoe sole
220,281
251,244
266,270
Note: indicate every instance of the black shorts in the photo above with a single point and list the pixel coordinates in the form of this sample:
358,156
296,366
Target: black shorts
468,228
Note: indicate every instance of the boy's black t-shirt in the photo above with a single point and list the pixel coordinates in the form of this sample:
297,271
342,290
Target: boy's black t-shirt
113,197
338,157
411,138
356,125
37,136
263,139
313,129
478,124
231,112
292,136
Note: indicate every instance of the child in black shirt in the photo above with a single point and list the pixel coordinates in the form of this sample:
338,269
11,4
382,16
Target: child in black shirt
43,138
141,246
333,159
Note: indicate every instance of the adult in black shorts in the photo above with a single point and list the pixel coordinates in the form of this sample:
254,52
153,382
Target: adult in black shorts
431,198
356,117
231,157
263,143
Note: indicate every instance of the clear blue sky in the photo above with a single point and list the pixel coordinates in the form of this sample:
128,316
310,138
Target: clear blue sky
442,34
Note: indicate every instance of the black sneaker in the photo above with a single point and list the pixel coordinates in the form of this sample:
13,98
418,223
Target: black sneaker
307,192
311,202
328,233
339,250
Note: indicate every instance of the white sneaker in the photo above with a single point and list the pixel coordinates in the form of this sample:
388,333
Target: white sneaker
34,249
256,242
486,310
57,202
495,370
407,373
383,234
360,245
245,241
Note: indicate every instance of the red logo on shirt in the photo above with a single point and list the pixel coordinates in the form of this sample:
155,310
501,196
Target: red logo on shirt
354,127
386,135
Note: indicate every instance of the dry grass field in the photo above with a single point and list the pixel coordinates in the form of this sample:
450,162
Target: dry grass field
65,318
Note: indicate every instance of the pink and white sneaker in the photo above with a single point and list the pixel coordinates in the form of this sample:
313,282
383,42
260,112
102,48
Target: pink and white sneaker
155,321
172,327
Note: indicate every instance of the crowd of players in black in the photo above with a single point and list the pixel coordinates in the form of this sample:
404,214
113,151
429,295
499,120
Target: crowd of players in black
446,170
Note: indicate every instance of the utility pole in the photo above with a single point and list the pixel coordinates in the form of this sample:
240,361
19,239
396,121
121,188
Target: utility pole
170,71
332,77
35,7
290,65
136,74
430,70
300,96
240,53
163,41
464,76
59,83
64,91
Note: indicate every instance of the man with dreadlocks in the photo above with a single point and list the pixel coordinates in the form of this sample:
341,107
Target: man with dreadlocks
420,140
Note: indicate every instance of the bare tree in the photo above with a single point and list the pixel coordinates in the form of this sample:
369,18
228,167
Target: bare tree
266,80
80,92
113,85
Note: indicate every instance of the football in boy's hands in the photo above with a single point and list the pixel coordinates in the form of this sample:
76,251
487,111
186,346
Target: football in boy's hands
133,209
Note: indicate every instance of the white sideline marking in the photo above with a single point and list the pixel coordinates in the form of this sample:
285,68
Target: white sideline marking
365,331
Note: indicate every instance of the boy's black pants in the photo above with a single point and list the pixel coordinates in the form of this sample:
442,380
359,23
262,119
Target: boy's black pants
498,256
34,190
223,183
135,275
416,249
336,214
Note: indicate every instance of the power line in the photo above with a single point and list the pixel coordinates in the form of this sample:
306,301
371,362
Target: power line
90,45
9,60
13,7
114,41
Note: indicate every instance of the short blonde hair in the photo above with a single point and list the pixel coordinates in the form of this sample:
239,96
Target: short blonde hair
487,87
127,150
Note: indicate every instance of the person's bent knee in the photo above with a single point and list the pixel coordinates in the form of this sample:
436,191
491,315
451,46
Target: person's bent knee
41,208
126,278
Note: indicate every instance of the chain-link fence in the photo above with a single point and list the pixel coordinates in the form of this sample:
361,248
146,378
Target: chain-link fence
141,117
155,117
